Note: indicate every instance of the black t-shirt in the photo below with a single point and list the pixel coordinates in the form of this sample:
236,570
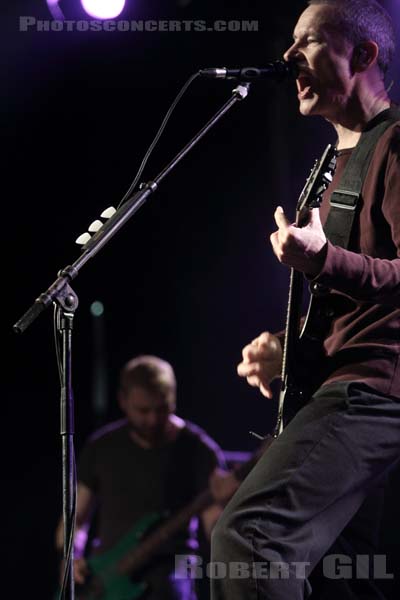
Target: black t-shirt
131,482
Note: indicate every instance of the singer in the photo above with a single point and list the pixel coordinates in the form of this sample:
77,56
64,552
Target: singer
317,490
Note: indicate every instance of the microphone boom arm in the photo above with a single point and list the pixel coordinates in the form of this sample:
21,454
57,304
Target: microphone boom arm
123,214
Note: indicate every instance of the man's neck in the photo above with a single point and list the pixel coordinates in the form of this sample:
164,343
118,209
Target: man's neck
351,124
172,429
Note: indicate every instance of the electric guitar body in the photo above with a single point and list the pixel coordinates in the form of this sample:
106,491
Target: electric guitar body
107,581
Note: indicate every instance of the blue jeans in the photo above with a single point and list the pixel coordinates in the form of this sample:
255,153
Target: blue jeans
303,494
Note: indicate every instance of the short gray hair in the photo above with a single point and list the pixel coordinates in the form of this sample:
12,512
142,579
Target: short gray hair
364,20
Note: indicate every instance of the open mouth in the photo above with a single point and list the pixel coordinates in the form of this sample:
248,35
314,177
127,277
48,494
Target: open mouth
304,85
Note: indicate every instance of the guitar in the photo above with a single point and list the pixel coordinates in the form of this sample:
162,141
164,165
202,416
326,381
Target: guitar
309,338
111,572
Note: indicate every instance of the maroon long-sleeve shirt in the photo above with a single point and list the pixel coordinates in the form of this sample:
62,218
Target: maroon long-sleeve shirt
364,344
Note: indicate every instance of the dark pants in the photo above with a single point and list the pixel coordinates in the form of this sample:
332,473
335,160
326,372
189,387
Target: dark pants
303,493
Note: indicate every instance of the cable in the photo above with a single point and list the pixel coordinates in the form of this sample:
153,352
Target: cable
57,343
157,137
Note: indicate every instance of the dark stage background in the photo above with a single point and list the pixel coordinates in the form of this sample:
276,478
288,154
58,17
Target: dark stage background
191,277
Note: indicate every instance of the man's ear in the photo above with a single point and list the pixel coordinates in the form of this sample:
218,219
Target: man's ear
364,56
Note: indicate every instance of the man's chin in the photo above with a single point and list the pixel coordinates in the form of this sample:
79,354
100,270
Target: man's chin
308,106
154,437
151,437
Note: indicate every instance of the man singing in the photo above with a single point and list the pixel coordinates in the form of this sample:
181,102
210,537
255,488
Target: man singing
317,488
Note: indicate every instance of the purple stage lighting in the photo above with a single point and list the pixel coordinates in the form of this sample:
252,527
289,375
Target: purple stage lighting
55,10
103,9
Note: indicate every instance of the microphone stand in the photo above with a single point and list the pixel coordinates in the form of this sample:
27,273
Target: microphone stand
65,301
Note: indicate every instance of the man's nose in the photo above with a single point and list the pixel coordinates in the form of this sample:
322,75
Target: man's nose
291,53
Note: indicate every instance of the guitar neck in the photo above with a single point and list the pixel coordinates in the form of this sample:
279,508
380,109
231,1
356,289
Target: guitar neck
292,328
142,554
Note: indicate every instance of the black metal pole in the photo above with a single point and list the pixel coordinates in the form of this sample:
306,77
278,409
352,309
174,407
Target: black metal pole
65,326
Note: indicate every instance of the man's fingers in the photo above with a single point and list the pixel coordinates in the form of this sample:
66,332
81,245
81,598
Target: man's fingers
265,390
274,242
253,380
245,369
251,353
315,219
81,570
261,362
248,352
261,369
280,218
263,350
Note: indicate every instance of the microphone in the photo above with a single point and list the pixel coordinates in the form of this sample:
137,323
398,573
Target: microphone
277,70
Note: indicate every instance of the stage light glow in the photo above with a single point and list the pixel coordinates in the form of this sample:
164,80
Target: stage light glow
97,308
103,9
55,10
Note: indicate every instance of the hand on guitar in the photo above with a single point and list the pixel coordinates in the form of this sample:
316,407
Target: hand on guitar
262,362
300,247
223,484
81,570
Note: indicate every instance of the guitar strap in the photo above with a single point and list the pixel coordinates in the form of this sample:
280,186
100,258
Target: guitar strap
345,199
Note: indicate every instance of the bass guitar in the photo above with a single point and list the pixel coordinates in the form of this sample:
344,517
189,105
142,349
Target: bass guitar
112,574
